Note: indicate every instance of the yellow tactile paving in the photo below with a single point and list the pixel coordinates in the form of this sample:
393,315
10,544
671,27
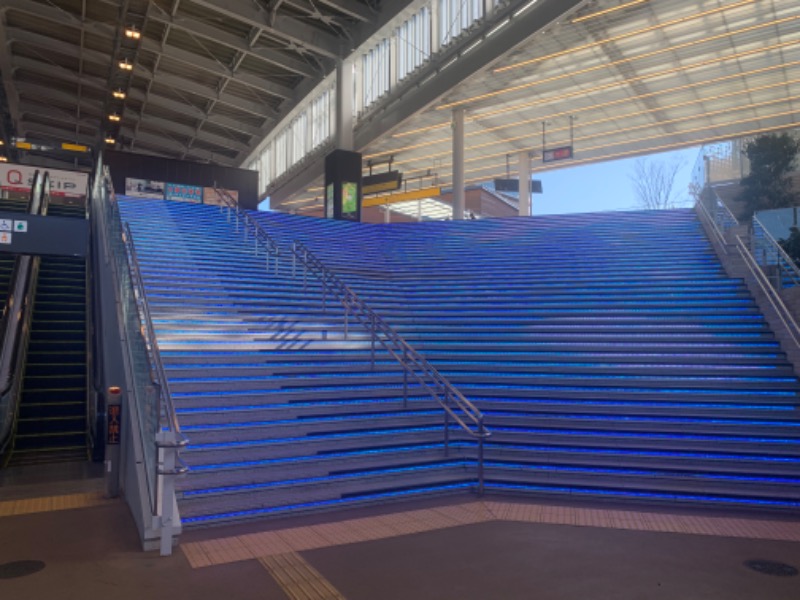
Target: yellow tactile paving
26,506
296,539
298,579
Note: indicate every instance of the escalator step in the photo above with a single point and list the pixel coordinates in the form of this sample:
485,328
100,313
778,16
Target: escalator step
50,426
43,410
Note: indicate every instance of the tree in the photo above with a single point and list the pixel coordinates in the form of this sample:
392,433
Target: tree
791,245
769,184
653,183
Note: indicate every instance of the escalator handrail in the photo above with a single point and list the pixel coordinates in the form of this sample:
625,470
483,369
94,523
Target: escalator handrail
18,310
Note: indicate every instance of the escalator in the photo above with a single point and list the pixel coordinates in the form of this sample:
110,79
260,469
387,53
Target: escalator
51,423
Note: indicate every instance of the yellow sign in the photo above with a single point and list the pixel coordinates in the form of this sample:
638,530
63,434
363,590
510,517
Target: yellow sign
75,147
429,192
386,186
24,145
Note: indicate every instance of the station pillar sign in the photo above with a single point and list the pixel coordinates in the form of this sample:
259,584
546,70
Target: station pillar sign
343,185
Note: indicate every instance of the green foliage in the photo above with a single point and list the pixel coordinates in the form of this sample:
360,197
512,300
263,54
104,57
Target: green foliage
769,185
791,245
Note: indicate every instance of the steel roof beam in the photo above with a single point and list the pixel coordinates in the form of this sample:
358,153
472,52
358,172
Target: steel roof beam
63,135
175,148
296,32
42,93
194,112
216,68
181,84
64,116
185,130
57,16
7,72
209,32
352,9
23,36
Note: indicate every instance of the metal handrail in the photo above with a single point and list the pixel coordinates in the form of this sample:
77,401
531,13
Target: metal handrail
771,293
249,226
413,363
167,409
784,260
714,227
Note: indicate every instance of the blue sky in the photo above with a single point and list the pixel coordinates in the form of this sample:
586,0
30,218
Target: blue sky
602,186
599,186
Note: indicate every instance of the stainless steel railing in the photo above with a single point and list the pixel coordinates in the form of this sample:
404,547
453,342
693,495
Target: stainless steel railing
770,255
450,398
722,221
454,404
151,403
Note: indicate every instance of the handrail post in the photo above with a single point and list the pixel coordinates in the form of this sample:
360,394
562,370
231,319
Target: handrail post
305,268
374,333
405,378
446,424
346,315
481,436
294,258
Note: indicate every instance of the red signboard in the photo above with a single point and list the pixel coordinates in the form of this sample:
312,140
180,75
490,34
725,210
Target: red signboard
554,154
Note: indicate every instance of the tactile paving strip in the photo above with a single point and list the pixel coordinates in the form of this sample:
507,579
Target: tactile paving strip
298,539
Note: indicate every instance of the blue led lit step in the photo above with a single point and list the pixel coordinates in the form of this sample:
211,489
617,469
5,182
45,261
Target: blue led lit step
725,425
644,496
777,464
263,468
392,376
259,495
762,444
232,420
757,358
743,485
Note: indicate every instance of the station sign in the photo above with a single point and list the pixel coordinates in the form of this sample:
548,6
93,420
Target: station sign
554,154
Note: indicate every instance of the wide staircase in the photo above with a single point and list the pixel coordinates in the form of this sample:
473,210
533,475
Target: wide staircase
610,354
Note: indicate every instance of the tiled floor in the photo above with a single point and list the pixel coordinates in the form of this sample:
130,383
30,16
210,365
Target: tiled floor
351,531
448,549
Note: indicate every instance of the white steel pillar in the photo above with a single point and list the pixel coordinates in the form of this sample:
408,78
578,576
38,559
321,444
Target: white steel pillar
458,164
344,104
524,184
435,31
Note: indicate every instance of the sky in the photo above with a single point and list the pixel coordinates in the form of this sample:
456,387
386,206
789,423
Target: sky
599,186
603,186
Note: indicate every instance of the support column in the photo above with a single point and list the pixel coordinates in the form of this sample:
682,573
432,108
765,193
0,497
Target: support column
344,105
458,164
524,184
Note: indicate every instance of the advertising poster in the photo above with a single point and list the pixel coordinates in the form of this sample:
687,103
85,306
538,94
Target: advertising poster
184,193
210,196
63,184
349,198
144,188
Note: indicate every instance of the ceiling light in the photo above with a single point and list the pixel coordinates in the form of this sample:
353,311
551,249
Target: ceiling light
114,117
3,159
118,94
110,140
125,65
132,33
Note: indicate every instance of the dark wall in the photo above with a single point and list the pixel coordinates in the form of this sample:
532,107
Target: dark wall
142,166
